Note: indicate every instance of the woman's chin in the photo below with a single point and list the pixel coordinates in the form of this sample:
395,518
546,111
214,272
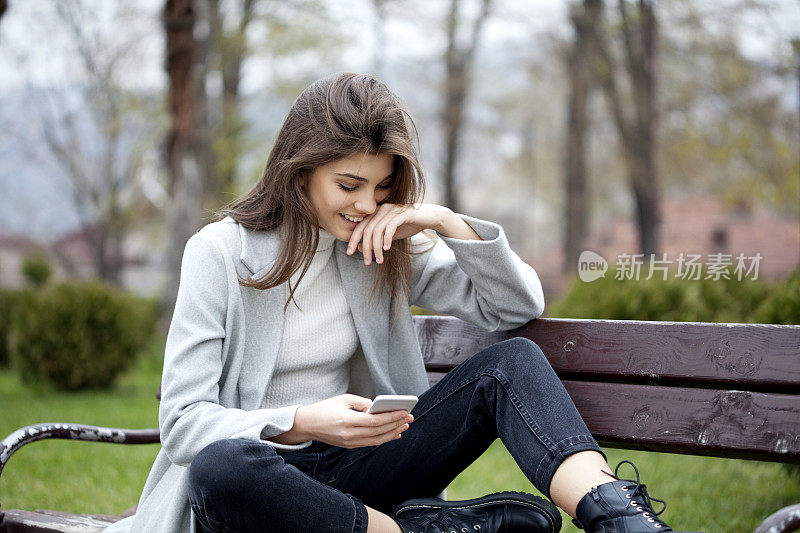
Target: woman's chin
341,234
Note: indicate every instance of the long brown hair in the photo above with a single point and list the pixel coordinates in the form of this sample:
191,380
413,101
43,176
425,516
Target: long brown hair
335,117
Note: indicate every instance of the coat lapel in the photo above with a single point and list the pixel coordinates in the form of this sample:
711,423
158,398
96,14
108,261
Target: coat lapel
264,315
259,250
371,320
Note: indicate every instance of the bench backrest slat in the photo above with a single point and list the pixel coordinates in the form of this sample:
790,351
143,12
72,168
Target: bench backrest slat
749,356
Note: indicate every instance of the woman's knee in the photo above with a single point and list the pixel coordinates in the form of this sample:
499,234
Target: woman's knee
522,344
518,357
210,464
518,350
224,464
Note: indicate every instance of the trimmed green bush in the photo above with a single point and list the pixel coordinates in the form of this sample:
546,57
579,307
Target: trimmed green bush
8,304
783,305
78,335
675,300
36,270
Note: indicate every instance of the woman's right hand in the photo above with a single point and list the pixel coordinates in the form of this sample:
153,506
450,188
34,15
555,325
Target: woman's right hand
342,421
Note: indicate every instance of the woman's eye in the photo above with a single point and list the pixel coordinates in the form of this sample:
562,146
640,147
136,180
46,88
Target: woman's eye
351,189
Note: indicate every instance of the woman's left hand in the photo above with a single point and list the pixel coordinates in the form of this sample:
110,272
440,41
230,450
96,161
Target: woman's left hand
375,233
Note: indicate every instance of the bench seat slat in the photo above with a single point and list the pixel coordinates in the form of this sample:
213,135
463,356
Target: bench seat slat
696,354
19,521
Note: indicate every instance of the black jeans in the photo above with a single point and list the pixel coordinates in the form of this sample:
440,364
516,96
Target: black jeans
507,390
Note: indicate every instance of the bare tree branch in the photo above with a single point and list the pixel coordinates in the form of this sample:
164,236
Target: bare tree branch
93,141
458,64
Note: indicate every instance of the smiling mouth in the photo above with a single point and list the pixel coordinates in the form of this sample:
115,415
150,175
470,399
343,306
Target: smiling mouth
352,219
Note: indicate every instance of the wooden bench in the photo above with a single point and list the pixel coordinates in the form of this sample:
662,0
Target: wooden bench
725,390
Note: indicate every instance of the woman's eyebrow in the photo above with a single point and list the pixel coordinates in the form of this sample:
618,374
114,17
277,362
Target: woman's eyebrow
359,178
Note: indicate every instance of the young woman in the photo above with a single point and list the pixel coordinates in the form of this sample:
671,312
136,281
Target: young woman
293,312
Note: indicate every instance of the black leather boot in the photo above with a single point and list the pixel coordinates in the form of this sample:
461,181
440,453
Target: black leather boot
620,506
498,512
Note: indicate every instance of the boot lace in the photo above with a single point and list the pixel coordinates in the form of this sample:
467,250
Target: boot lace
442,528
640,490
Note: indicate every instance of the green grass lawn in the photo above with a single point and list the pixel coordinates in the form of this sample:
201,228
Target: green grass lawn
703,494
81,477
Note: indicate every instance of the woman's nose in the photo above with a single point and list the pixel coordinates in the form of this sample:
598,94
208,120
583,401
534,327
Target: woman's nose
366,204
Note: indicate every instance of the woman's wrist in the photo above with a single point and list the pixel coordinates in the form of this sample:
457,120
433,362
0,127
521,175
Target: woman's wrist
297,433
300,424
453,226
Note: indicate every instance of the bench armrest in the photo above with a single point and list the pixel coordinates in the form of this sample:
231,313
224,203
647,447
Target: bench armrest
28,434
35,432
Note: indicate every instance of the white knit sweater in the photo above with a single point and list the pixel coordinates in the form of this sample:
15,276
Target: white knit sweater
318,339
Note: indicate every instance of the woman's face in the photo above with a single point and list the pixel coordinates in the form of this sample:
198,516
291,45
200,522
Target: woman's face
353,186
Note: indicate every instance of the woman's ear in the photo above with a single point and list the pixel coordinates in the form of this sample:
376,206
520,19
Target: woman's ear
302,178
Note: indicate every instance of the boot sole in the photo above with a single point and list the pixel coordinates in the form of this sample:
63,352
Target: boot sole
522,498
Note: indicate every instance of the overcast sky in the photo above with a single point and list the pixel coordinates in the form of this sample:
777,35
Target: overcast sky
31,35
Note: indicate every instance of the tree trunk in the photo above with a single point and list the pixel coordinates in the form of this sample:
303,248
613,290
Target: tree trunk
579,61
204,138
796,47
117,231
642,147
186,191
233,50
101,251
458,63
638,135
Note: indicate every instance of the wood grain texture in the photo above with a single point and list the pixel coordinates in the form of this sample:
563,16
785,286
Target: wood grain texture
728,390
742,424
743,356
447,341
42,521
720,423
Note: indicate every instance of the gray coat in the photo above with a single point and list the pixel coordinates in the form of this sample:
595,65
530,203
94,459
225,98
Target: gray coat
224,338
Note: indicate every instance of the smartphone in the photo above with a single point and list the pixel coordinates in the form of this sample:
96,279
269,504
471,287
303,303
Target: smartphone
392,402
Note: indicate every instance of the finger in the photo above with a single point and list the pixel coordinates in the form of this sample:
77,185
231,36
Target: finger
377,240
377,440
390,435
358,403
366,246
391,228
377,432
366,237
381,419
387,212
356,236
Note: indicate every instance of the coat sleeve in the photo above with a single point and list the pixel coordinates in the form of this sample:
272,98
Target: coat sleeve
190,415
482,282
